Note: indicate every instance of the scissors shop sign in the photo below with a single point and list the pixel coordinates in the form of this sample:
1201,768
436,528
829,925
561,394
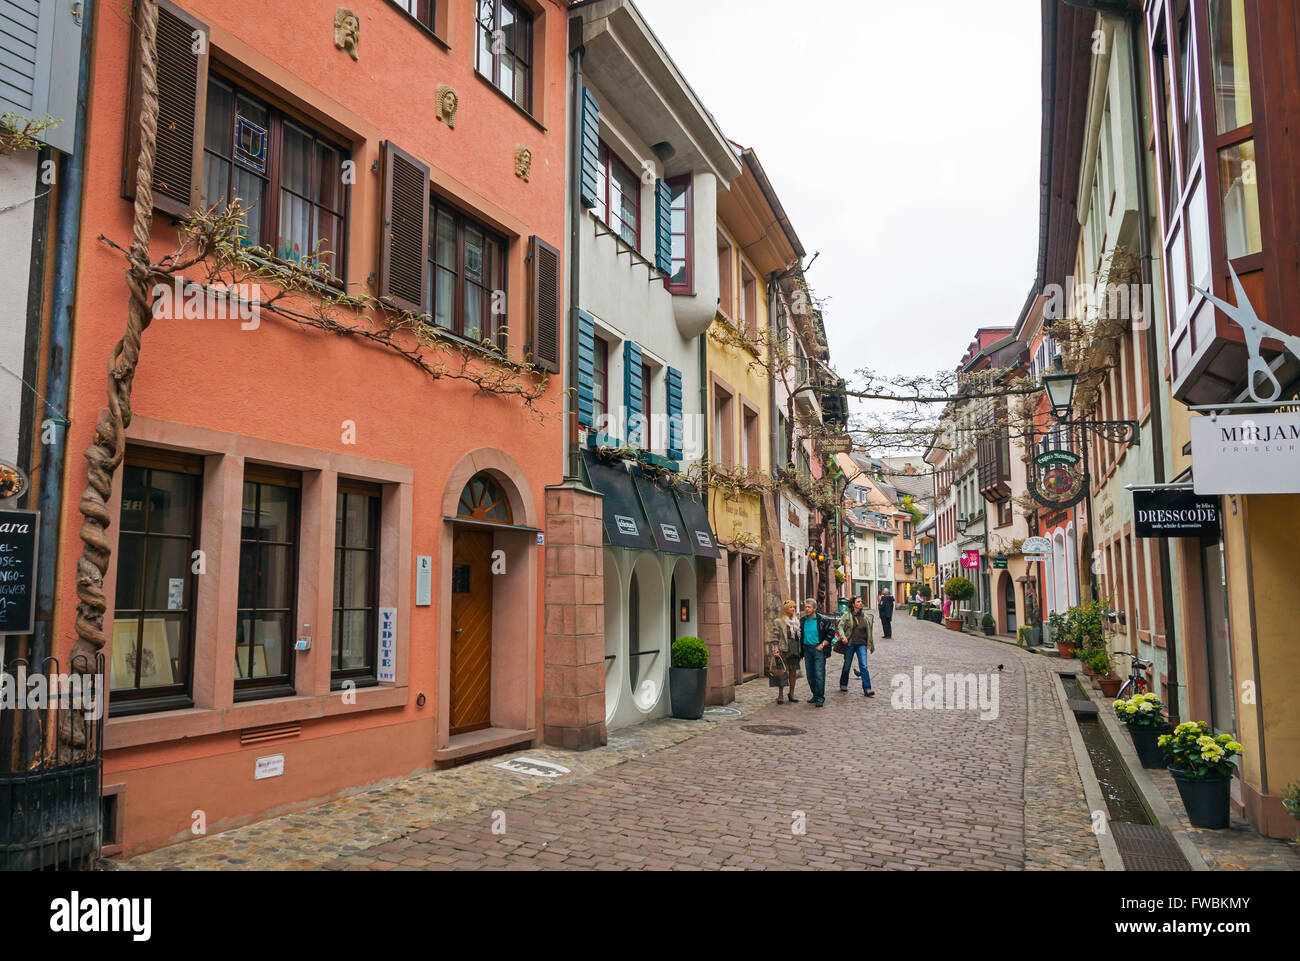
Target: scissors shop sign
1246,454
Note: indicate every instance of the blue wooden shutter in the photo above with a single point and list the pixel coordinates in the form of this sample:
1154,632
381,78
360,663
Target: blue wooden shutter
664,231
590,133
632,387
674,383
586,369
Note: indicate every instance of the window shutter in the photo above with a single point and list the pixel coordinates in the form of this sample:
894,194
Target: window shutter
586,369
632,387
543,347
403,229
590,133
40,49
673,379
664,227
182,102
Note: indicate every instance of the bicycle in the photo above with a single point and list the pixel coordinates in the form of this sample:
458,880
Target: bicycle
1137,678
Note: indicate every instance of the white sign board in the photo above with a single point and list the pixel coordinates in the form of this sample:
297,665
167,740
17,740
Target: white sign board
265,767
387,667
1036,548
423,580
1246,454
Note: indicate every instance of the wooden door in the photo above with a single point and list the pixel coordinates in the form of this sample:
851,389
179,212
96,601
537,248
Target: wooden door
471,631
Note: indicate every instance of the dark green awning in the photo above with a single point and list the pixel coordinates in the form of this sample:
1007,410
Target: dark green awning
625,520
661,509
696,518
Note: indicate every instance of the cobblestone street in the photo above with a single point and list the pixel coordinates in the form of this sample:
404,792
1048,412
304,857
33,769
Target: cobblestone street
877,786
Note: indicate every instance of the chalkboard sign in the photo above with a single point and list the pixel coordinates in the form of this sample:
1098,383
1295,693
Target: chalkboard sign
17,570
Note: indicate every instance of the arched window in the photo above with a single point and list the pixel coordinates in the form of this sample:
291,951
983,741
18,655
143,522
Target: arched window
484,500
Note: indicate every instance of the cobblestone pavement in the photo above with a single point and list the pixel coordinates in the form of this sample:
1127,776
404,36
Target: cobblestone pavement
875,785
871,782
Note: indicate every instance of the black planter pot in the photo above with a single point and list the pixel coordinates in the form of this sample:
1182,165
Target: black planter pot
1144,742
1206,798
688,687
988,632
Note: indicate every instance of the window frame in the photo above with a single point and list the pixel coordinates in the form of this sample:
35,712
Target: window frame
608,158
362,676
687,286
600,378
493,76
280,684
726,276
269,214
431,24
138,700
496,274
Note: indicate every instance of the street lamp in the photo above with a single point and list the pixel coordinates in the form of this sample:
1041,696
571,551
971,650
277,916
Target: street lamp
1060,389
1060,385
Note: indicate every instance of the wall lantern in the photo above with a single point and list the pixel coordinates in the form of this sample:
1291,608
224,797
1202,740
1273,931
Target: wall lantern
686,611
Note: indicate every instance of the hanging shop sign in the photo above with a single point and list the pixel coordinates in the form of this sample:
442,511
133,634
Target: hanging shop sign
1057,478
1166,513
999,563
1246,454
1036,548
970,560
18,545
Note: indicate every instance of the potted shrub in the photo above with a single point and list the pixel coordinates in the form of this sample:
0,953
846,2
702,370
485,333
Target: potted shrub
1291,801
957,589
1144,716
988,624
1100,662
1202,766
1058,630
688,678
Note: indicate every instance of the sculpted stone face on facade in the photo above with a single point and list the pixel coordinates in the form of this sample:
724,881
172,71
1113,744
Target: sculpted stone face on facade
347,32
448,104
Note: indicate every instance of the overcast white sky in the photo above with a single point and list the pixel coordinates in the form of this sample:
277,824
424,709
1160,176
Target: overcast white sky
903,140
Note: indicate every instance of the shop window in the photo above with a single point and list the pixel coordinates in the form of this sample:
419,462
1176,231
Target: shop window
153,611
467,264
268,584
505,49
287,177
353,650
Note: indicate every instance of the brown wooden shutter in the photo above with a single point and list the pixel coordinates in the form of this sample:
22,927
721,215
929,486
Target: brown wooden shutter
182,99
403,230
545,289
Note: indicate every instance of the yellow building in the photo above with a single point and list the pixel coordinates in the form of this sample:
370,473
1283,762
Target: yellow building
756,244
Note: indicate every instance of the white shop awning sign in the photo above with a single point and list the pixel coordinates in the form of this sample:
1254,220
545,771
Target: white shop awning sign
1246,453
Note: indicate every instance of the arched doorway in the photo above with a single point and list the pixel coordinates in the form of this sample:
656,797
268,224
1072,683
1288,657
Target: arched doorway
470,701
487,586
647,633
1007,602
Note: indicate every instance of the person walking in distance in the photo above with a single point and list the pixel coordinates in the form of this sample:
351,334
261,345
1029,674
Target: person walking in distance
886,608
856,628
786,653
817,633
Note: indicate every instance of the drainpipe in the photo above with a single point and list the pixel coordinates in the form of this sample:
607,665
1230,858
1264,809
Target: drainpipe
573,469
67,244
704,407
774,430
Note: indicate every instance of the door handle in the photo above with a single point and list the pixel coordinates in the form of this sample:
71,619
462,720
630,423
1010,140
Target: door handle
459,630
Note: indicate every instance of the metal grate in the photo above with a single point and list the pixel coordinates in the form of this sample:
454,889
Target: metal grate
269,732
774,730
1147,847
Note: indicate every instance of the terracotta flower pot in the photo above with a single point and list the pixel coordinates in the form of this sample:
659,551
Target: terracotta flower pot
1064,649
1109,684
953,623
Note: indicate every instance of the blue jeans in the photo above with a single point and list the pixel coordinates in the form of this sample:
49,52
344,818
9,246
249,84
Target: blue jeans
861,652
814,661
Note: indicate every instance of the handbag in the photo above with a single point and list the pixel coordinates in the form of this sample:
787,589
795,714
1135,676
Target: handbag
839,647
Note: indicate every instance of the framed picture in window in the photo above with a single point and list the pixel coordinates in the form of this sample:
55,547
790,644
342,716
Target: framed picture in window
153,653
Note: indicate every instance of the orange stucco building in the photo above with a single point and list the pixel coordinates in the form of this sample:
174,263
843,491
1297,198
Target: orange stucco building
288,495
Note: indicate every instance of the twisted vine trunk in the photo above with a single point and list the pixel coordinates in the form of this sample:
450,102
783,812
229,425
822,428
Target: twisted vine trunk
106,451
